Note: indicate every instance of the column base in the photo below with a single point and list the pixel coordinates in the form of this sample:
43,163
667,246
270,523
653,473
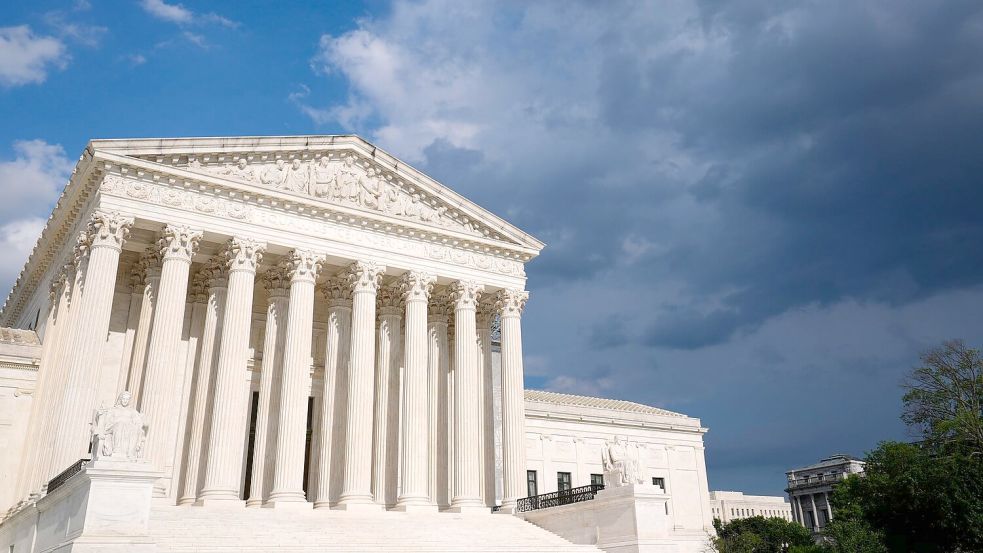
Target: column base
253,503
288,505
415,508
220,503
322,504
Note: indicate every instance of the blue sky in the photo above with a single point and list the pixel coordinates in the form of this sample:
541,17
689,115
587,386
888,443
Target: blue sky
756,213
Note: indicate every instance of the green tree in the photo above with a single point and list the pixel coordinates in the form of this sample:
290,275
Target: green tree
759,535
944,398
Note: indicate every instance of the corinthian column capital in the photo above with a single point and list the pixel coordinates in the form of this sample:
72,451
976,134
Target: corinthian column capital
439,308
416,286
390,300
337,291
276,282
364,276
244,254
108,229
465,294
81,250
302,265
510,303
179,242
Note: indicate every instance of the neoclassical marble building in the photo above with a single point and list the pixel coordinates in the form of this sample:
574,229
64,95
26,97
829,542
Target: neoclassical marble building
303,323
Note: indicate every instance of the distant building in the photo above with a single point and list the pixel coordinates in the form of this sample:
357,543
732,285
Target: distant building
728,506
809,489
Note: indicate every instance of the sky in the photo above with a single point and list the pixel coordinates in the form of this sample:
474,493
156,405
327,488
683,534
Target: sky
756,213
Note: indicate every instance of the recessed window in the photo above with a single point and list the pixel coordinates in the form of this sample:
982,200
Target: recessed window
531,483
563,481
660,482
597,479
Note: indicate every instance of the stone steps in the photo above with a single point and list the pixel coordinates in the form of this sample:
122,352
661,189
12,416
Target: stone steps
215,530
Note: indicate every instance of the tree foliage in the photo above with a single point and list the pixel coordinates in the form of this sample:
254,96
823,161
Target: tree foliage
944,397
759,535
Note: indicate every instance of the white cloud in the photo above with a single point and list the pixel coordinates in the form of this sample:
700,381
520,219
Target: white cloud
177,13
136,59
31,182
68,27
27,58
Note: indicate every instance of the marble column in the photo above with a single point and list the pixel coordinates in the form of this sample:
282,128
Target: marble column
829,507
302,267
132,322
437,365
227,436
385,436
486,428
415,288
148,271
203,387
277,286
467,399
510,304
364,279
334,393
75,277
29,478
107,231
177,245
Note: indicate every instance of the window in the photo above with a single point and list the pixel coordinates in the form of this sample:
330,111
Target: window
825,516
597,479
563,481
660,482
811,519
531,483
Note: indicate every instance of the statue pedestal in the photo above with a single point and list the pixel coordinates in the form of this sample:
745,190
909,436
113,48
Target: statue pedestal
105,508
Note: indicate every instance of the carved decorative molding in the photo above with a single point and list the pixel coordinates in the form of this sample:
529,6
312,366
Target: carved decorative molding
416,285
276,282
510,303
338,226
363,276
390,300
465,294
302,264
244,254
108,229
343,178
337,291
179,242
440,308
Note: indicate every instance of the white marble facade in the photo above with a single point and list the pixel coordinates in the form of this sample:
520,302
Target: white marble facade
239,279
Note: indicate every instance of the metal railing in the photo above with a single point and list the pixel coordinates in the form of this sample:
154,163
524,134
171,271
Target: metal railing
555,499
64,475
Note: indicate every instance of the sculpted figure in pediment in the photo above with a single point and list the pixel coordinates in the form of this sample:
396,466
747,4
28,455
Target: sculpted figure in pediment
324,179
274,175
348,177
240,170
298,177
369,191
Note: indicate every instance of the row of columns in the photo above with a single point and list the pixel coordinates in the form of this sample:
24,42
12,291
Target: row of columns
359,391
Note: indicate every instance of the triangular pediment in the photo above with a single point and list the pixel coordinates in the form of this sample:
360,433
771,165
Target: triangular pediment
343,171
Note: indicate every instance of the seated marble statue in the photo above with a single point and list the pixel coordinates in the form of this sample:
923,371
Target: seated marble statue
620,460
119,432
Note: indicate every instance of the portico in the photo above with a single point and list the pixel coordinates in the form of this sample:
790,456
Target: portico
303,321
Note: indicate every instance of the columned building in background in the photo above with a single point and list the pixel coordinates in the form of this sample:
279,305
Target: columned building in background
728,506
809,489
302,323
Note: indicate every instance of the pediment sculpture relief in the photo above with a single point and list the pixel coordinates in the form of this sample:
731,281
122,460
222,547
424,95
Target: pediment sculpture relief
621,466
119,432
344,179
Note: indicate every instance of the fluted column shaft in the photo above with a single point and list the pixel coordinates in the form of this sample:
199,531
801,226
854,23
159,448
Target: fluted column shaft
288,473
228,417
150,270
47,387
357,486
510,304
486,427
178,245
107,232
334,392
204,385
467,399
385,437
437,401
414,422
270,377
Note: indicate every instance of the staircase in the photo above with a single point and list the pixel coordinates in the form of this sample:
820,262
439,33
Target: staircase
209,530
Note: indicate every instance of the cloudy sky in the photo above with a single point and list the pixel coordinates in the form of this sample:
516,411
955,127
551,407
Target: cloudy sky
757,213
